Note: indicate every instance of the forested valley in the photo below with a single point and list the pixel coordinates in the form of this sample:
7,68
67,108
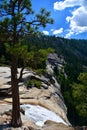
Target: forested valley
73,78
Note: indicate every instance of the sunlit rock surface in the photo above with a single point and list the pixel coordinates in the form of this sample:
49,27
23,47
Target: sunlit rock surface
42,104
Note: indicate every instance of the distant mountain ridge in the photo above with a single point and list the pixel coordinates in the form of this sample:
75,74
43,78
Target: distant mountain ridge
67,48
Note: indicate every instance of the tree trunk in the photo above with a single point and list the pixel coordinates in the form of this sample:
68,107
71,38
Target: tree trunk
16,118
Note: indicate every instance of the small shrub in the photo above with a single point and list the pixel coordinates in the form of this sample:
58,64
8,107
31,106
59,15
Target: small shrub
34,83
40,71
52,81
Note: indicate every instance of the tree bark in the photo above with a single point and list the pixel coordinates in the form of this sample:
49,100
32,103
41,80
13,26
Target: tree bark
16,118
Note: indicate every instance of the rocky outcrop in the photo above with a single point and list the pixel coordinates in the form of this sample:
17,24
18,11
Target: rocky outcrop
48,96
54,59
50,125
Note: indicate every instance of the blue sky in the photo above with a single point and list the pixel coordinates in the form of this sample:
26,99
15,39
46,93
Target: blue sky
70,17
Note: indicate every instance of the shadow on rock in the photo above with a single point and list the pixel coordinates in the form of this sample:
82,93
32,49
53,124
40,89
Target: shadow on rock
5,126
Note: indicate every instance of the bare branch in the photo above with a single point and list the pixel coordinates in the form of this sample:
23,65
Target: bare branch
21,74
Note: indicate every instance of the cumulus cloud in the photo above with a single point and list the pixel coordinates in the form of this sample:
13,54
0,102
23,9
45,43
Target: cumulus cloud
78,20
67,3
68,35
59,31
45,32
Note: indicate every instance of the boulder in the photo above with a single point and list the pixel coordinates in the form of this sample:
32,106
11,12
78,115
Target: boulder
50,125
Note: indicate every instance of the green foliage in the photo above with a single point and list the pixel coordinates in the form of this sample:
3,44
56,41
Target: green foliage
43,16
20,51
40,71
73,70
83,78
50,50
61,78
52,81
34,57
79,92
56,71
15,26
37,58
2,59
34,83
17,49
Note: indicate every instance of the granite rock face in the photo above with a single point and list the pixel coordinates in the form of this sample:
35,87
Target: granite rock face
50,125
49,96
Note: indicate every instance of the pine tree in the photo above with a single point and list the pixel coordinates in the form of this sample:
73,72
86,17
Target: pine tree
17,20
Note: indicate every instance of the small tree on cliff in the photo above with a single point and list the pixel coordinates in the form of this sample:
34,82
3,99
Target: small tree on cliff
18,19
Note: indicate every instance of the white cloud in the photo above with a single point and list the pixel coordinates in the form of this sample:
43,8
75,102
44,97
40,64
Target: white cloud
67,3
78,20
68,35
45,32
59,31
